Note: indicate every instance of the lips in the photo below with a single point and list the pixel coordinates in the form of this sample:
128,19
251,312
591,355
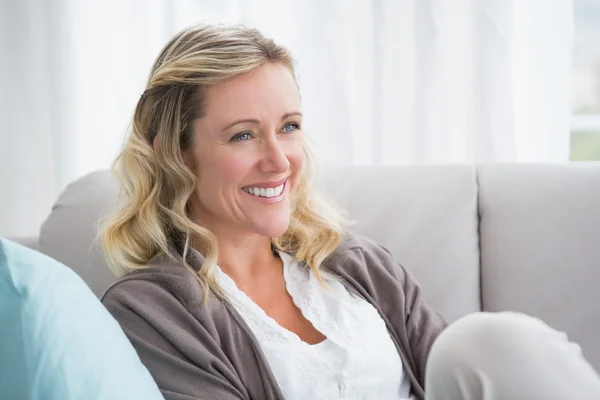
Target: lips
266,185
266,190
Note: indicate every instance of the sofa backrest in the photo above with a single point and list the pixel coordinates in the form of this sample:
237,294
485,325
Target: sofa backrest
70,233
426,216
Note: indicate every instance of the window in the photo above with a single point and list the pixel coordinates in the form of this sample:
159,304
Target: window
585,128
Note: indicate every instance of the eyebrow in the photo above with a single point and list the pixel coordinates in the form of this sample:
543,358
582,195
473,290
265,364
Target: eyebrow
255,121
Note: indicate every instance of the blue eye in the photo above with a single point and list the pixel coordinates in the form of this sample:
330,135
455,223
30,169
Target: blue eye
291,127
240,137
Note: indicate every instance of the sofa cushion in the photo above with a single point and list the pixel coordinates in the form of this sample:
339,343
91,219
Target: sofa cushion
427,217
540,246
57,341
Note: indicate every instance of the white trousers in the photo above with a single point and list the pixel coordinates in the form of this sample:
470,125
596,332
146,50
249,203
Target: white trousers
507,356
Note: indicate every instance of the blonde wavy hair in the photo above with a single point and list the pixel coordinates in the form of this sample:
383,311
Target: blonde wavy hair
153,213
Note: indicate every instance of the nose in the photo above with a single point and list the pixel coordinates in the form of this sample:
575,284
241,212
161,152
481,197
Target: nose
274,159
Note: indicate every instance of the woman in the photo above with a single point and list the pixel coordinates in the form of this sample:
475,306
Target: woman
241,283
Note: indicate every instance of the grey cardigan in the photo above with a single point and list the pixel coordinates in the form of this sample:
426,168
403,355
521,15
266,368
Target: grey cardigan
206,351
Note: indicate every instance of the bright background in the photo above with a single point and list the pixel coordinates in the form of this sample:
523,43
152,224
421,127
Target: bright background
382,81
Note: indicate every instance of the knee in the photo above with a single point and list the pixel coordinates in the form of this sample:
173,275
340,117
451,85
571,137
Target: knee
507,356
483,341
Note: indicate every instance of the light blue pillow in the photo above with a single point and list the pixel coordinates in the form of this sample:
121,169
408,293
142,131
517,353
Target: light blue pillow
57,341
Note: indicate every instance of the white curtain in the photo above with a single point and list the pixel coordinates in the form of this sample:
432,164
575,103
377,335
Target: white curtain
382,82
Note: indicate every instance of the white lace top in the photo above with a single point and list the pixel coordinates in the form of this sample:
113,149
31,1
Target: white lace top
358,360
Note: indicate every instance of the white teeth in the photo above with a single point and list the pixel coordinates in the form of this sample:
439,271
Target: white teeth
265,192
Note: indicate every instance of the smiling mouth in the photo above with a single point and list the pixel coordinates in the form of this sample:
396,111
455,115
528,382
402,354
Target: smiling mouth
265,192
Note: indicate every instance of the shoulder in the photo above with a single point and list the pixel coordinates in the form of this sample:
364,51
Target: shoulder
162,298
164,278
356,253
355,241
368,266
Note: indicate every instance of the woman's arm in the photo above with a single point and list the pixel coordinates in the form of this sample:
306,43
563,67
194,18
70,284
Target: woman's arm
423,324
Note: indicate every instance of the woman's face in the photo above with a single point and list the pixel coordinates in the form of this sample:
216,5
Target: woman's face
248,153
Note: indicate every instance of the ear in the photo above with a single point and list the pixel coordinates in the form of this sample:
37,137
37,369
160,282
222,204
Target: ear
155,143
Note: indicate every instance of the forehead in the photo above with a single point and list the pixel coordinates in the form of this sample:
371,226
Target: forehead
269,89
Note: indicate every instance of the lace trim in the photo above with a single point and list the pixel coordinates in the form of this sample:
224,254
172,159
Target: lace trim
329,317
315,369
307,293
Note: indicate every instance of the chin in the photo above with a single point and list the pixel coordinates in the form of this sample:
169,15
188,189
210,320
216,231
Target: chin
273,228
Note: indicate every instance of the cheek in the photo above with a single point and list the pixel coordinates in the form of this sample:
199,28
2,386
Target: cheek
234,169
297,161
224,169
295,155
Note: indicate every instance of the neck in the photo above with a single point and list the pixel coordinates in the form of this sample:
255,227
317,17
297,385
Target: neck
244,257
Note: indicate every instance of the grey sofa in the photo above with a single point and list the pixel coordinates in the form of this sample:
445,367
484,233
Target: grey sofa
486,237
